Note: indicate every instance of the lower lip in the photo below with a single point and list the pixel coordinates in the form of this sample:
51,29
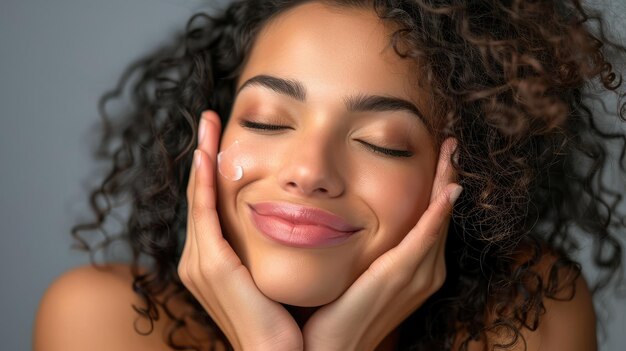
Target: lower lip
298,235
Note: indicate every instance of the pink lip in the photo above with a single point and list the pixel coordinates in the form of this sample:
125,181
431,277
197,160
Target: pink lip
300,226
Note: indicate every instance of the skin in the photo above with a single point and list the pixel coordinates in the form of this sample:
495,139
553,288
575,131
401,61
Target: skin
391,288
369,284
366,287
334,55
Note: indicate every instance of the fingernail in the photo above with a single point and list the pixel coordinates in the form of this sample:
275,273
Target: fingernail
197,158
201,130
455,154
454,194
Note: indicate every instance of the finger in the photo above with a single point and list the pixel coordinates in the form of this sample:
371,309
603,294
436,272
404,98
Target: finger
191,185
204,183
445,173
209,133
211,120
436,254
208,139
189,254
207,230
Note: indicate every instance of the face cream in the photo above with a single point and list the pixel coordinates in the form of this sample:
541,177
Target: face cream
228,162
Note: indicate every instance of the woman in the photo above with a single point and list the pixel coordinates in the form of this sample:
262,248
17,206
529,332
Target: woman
354,175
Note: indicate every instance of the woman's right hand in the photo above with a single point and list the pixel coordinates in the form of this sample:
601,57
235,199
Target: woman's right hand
213,272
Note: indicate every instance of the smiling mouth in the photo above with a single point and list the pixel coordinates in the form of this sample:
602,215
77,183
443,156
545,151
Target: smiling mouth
297,226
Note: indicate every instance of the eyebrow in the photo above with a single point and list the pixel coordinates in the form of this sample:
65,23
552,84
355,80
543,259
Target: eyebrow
354,103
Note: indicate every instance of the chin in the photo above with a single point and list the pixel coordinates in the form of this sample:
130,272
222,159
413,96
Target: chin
299,283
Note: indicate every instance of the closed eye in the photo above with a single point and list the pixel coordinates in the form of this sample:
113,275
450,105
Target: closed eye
374,148
262,126
387,152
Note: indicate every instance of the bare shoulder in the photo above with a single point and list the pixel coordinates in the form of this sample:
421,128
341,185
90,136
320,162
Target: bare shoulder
569,325
87,308
569,321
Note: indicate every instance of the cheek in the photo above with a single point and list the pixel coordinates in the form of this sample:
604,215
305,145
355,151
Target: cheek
397,197
243,162
239,162
235,167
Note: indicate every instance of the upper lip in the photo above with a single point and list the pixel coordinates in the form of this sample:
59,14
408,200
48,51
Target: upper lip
299,214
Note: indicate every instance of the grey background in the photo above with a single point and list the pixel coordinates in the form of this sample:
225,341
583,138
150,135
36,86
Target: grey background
56,59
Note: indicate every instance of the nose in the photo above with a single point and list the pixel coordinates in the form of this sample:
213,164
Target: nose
310,169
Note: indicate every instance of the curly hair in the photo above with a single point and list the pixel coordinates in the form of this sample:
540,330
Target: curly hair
515,78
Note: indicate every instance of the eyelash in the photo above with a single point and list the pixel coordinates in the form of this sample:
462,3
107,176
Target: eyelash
387,152
374,148
262,126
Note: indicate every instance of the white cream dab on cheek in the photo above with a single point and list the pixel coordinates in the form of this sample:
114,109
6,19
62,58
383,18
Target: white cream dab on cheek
227,163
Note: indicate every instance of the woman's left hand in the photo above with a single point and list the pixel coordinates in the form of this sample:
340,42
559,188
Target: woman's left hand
396,283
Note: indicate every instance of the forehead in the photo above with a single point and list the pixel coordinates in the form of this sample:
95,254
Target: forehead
334,52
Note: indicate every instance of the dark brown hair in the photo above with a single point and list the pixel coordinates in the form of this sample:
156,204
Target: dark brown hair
516,78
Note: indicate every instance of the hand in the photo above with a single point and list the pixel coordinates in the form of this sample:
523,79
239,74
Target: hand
214,274
396,283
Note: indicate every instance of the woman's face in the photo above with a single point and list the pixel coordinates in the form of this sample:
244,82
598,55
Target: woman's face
325,155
